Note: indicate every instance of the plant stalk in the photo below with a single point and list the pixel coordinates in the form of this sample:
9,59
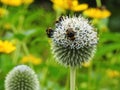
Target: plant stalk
72,78
98,2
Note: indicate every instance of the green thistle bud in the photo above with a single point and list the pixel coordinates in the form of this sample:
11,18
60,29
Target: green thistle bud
74,41
21,77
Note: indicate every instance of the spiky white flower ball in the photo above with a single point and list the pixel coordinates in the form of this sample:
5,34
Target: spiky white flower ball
21,77
74,41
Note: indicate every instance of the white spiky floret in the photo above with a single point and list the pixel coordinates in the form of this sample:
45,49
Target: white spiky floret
74,52
85,33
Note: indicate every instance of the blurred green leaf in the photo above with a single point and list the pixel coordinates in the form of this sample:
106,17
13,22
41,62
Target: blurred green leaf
29,32
19,36
103,49
109,37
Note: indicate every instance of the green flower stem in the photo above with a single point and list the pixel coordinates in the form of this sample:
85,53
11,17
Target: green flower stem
25,48
26,51
67,82
89,75
98,2
16,53
72,78
20,23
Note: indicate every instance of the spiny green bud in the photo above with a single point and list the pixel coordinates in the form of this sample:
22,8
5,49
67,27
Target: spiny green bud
21,77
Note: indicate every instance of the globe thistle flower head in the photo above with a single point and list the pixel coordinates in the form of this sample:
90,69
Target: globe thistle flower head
21,78
74,40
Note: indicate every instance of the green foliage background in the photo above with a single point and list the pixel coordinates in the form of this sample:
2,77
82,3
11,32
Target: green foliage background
28,30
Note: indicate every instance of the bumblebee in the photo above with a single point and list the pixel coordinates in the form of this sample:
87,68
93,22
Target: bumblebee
59,19
49,32
70,34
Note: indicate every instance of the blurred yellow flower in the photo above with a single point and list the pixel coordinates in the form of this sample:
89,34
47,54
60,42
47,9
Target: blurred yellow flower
112,73
97,13
27,1
86,64
68,5
7,26
6,47
12,2
3,12
78,7
31,59
64,4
